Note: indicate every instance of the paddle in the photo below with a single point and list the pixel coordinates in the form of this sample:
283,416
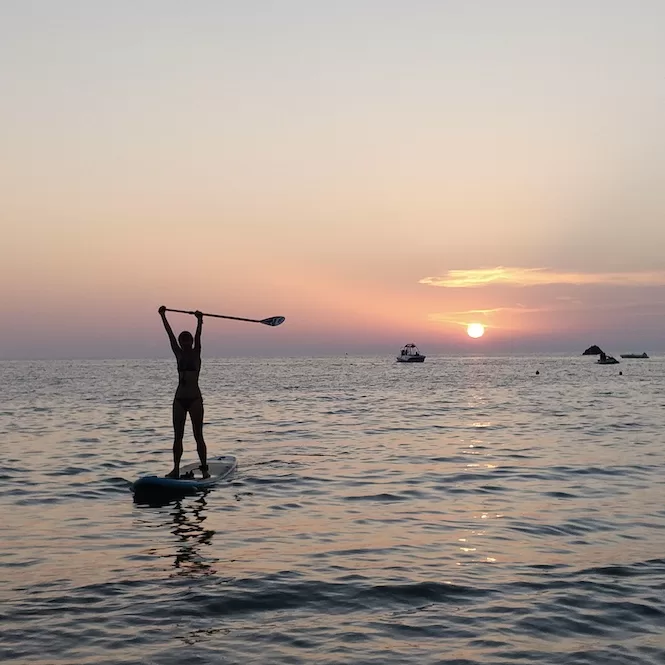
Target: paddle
271,321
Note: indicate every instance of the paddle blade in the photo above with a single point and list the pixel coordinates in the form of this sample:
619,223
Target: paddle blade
273,321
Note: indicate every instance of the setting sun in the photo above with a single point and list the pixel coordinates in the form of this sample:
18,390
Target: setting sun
475,330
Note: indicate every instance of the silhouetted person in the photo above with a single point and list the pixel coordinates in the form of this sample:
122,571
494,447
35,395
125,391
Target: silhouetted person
188,399
603,356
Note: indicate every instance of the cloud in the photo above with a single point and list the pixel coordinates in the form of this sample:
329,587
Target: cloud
559,305
474,315
456,279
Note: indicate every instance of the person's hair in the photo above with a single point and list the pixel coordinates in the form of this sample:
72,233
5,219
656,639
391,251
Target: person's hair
185,338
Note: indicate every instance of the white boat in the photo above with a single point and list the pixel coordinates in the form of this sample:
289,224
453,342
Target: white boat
410,354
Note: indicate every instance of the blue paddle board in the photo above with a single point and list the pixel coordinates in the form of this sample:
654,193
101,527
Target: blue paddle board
191,478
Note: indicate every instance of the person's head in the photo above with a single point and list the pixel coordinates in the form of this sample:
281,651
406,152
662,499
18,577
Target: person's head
186,340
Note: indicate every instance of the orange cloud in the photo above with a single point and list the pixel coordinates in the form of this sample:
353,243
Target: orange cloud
455,279
471,315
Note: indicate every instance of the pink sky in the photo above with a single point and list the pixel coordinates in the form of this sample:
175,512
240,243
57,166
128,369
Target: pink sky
393,190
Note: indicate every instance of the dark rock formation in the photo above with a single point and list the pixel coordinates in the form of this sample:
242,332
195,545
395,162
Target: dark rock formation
593,351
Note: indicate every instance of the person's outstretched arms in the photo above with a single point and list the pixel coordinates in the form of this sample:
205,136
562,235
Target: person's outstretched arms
167,326
199,329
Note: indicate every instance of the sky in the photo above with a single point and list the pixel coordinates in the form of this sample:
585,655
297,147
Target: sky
379,172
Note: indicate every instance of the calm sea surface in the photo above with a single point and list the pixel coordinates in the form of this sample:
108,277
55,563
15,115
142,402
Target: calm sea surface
462,511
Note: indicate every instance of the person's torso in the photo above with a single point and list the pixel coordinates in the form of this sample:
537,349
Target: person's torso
189,367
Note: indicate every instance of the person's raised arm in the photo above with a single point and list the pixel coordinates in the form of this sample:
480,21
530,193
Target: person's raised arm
167,326
199,328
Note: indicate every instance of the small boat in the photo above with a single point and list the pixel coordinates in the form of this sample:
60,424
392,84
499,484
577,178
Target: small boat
410,354
634,355
607,360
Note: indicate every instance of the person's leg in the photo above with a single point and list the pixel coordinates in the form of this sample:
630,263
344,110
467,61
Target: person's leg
179,418
196,415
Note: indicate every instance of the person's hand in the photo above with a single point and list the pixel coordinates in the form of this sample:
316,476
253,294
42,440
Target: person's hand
198,315
162,310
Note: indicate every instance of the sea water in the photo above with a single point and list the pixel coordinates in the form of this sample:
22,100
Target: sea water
466,510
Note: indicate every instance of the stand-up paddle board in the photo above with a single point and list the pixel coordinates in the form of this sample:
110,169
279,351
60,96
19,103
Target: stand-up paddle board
191,478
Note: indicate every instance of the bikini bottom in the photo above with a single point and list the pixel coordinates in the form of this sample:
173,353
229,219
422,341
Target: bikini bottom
186,402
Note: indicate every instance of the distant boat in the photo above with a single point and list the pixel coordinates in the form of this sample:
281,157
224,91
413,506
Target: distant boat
634,355
604,358
410,354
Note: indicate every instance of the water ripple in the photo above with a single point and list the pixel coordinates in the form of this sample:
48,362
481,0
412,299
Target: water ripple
460,512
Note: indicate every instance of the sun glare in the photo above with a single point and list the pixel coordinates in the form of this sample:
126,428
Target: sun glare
475,330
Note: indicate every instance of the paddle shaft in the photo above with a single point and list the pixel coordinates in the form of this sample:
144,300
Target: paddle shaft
216,316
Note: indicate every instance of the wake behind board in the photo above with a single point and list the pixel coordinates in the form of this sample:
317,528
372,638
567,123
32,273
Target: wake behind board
219,468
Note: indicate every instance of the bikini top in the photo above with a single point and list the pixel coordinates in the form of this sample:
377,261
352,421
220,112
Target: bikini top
189,363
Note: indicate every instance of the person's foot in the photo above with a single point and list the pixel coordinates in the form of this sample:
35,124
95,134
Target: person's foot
175,473
204,471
